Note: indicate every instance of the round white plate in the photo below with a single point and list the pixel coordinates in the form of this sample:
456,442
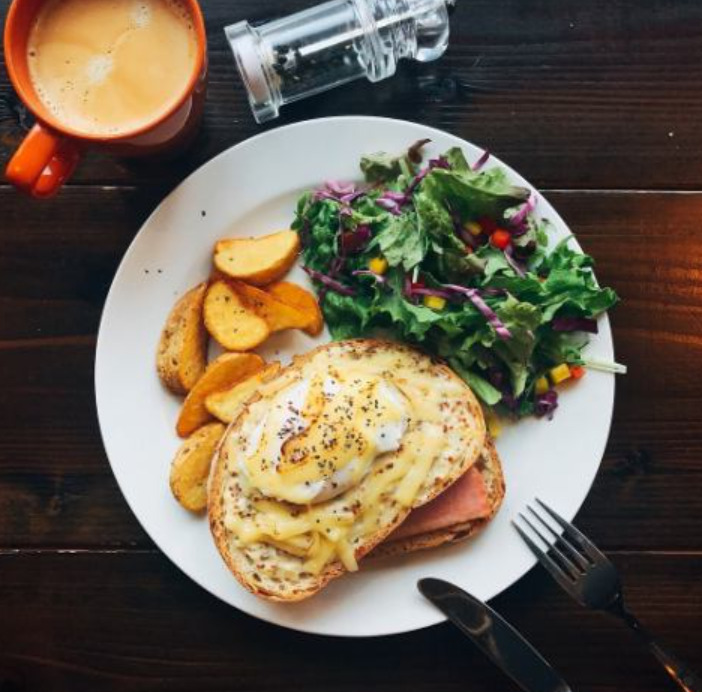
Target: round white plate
251,189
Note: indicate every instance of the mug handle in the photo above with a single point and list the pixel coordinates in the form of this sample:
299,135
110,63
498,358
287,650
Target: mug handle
43,162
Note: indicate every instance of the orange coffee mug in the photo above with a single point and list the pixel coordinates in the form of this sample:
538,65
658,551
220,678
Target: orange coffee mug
51,150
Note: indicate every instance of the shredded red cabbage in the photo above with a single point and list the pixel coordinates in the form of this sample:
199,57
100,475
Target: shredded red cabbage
521,215
351,196
439,293
574,324
487,312
367,272
393,201
353,242
337,265
338,188
481,161
490,291
513,262
439,162
344,193
330,283
545,404
389,205
394,196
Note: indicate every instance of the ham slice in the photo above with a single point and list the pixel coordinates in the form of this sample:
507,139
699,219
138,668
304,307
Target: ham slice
465,500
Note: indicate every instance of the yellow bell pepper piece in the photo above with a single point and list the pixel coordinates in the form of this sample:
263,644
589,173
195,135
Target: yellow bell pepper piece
560,373
378,265
434,302
494,425
542,385
473,228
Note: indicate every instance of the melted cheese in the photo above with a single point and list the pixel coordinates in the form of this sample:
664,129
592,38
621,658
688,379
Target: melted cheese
373,432
320,437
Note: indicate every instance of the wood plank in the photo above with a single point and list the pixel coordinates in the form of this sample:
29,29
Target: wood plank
55,484
132,621
598,95
54,276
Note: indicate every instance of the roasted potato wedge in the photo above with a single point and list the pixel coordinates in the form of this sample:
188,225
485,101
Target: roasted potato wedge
190,468
258,261
227,404
181,357
231,321
302,300
222,373
277,315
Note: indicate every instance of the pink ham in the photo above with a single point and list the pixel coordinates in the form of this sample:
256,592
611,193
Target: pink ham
464,501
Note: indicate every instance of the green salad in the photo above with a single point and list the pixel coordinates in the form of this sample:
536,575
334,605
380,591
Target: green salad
453,258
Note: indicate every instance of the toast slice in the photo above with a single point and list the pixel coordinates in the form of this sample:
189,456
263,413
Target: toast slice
276,574
490,469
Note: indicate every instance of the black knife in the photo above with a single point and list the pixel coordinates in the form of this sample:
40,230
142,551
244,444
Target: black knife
494,636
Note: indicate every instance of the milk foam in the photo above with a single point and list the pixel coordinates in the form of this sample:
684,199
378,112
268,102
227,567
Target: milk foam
106,67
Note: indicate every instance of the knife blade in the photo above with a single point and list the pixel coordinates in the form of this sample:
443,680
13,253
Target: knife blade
494,636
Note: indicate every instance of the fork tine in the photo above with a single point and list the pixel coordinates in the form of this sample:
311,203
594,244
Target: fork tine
546,560
571,570
576,536
561,540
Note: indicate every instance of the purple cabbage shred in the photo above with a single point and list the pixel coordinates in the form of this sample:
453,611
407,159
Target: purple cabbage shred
352,242
367,272
520,217
518,267
389,205
545,404
487,312
481,161
330,283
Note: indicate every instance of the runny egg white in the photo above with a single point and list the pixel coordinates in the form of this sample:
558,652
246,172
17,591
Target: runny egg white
321,435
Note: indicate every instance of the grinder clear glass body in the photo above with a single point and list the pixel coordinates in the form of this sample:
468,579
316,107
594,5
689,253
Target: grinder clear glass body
333,43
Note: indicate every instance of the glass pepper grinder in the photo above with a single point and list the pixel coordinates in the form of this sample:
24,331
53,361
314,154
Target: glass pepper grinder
288,59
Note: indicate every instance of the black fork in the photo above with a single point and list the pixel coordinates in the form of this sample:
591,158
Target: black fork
585,573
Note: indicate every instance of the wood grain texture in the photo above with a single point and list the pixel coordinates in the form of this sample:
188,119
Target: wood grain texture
55,484
128,622
597,102
597,94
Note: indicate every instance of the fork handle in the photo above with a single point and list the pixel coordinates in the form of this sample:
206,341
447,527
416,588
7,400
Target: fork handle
684,676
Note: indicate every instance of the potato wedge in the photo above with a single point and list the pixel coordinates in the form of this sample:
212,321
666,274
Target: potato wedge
257,261
231,321
227,404
277,315
297,297
190,468
222,373
181,357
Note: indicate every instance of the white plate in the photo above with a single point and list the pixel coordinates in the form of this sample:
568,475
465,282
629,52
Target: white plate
251,189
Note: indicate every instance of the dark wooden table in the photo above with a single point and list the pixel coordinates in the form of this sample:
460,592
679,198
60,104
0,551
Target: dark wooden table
600,104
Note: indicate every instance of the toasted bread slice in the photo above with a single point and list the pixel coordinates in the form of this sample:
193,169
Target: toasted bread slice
490,468
182,350
276,574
